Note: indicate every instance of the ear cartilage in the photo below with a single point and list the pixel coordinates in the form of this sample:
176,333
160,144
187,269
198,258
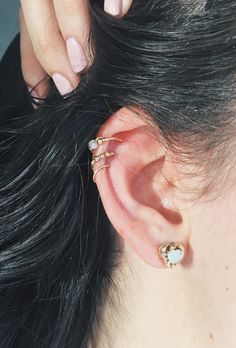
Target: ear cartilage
171,253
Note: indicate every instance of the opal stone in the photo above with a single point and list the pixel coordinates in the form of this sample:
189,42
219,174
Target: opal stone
92,144
175,256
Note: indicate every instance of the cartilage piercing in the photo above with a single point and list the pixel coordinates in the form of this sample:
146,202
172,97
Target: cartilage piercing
100,156
93,144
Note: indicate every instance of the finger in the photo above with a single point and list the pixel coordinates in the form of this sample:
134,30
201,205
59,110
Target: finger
117,7
33,73
74,22
48,43
125,6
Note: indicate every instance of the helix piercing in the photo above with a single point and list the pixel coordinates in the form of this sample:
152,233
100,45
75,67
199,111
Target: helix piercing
93,144
100,156
98,169
171,253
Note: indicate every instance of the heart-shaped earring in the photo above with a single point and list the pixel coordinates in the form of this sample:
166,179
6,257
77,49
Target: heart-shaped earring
171,253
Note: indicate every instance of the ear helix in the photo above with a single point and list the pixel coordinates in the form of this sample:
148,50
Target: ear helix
171,253
93,144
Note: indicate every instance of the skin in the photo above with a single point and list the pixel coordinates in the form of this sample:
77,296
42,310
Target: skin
192,305
51,32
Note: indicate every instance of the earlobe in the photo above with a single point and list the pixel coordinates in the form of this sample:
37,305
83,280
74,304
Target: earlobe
133,189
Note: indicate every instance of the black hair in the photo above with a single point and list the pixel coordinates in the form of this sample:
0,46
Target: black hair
174,60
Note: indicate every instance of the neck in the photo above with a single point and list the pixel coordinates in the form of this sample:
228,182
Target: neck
187,306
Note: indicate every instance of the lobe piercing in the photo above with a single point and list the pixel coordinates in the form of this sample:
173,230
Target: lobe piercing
93,144
171,253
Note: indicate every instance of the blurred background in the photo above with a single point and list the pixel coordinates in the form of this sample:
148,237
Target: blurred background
8,22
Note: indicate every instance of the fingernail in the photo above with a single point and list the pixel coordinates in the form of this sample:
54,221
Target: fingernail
113,7
76,55
63,85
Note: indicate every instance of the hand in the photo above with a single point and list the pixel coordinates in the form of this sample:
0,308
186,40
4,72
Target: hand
54,38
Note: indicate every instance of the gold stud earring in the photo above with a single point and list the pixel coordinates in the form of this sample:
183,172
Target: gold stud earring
171,253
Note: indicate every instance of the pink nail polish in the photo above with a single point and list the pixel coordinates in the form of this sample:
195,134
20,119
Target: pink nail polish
76,55
63,85
113,7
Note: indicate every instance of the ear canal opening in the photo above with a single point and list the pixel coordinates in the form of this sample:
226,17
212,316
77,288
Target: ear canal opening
148,190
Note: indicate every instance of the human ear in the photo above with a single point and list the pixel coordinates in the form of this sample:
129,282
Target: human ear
136,193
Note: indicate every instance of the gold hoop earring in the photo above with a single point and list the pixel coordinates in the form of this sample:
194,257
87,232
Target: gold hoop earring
98,169
100,156
93,144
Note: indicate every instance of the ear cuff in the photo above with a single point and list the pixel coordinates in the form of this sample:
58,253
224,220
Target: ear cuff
92,145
